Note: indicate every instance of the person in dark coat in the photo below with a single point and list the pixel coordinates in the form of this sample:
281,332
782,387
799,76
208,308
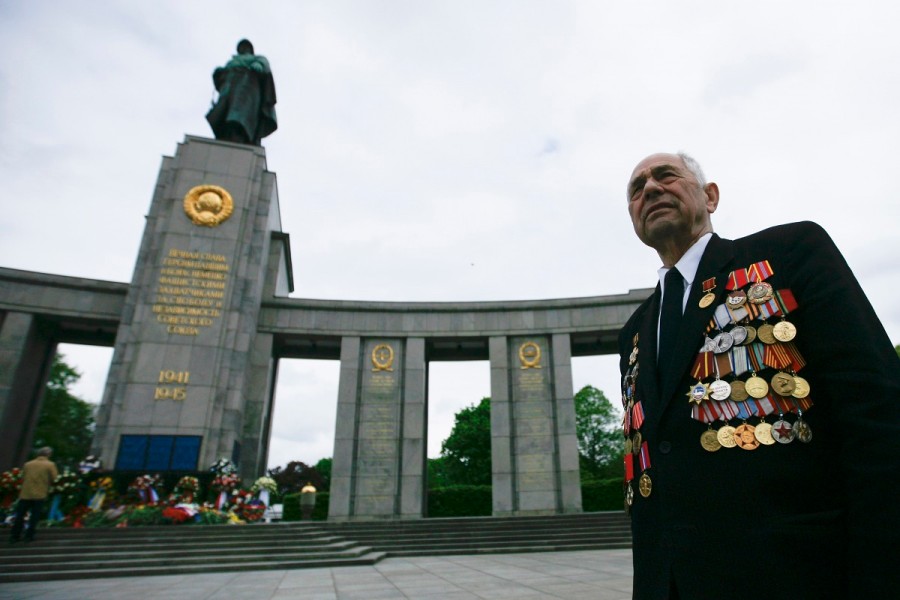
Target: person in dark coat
762,409
245,109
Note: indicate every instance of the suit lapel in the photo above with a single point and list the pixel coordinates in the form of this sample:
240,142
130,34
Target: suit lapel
716,262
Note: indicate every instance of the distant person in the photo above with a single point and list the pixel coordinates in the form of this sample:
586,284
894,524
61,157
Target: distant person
245,110
37,477
762,406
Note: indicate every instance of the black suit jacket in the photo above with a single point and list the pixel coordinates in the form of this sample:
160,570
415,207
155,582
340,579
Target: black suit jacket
817,520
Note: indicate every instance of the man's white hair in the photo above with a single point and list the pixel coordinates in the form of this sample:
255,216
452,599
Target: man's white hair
694,167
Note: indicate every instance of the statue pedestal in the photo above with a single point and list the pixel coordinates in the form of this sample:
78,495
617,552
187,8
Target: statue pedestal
190,379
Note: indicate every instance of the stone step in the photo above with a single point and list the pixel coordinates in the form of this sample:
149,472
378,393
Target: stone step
127,561
66,553
54,573
43,554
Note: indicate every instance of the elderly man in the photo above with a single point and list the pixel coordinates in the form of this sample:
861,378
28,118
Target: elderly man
762,409
37,477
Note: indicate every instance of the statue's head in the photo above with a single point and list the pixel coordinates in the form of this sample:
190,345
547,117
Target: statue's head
245,47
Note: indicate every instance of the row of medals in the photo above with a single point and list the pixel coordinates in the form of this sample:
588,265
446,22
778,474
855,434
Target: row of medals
745,435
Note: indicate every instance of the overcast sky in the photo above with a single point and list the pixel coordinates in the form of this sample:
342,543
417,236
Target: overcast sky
453,150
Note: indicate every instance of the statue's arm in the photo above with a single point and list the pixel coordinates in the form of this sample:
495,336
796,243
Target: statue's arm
219,78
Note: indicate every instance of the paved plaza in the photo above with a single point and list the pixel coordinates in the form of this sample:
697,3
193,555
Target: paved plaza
594,575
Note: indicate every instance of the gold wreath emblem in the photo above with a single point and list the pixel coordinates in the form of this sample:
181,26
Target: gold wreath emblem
208,205
530,355
382,357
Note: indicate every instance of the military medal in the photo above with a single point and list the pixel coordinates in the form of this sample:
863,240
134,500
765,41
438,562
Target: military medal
802,429
744,437
739,391
709,440
629,476
723,343
736,298
763,433
782,431
766,334
719,390
738,334
698,393
645,485
628,445
760,293
636,443
757,387
801,387
751,334
708,297
725,436
783,383
784,331
737,279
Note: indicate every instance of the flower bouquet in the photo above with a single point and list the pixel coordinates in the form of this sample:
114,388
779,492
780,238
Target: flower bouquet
222,485
223,466
66,488
10,484
186,489
263,487
143,489
101,488
179,513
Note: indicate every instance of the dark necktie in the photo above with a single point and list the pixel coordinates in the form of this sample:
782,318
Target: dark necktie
670,317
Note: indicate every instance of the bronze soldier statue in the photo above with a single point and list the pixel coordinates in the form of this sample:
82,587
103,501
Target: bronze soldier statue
245,109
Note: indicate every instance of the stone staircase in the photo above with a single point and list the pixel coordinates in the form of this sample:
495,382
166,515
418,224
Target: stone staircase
491,535
173,550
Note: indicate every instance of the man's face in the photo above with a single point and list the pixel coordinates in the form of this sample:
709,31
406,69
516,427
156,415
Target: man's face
666,202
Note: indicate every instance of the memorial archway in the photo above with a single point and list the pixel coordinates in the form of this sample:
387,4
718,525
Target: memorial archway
199,332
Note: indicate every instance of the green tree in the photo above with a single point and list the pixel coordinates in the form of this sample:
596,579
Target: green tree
324,469
66,423
438,477
466,452
599,439
295,475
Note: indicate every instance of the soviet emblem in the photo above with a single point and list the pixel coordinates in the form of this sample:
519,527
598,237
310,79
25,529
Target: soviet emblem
530,355
383,358
208,205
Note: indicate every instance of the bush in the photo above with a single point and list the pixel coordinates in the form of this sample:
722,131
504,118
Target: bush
460,501
602,494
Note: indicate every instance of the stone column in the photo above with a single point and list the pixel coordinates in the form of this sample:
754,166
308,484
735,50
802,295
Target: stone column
179,384
378,470
565,432
534,448
25,359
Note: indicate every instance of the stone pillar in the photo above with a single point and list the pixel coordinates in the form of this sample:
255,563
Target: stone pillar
379,463
534,447
25,358
564,425
180,383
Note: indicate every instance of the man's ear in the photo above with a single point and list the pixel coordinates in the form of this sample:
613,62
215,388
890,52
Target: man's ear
712,197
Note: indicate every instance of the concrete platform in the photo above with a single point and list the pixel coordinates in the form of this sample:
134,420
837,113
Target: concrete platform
588,575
